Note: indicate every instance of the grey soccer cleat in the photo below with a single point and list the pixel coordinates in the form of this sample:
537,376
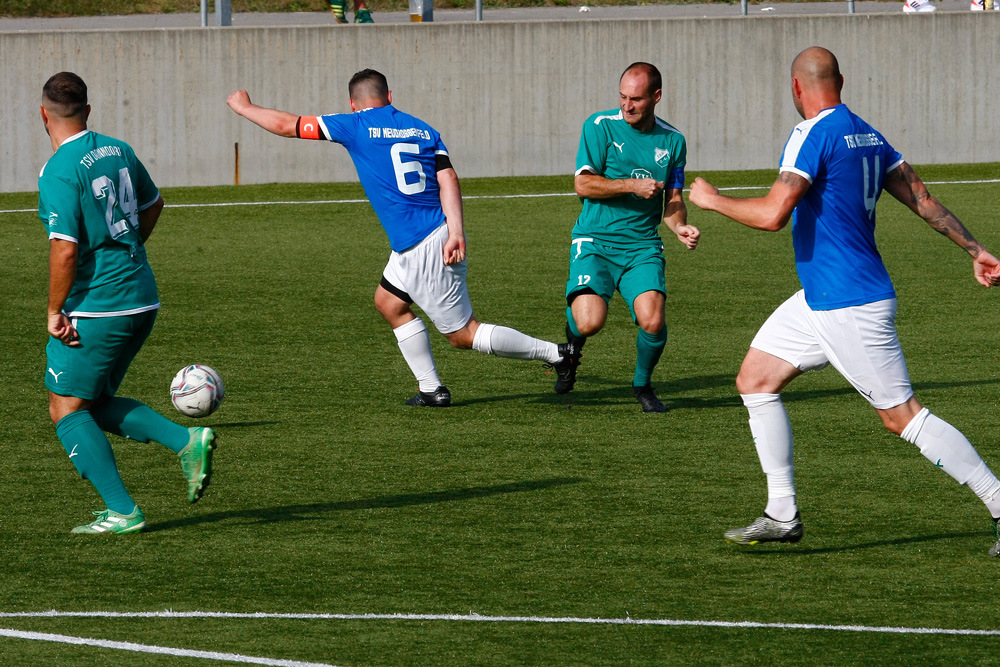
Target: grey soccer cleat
766,529
995,550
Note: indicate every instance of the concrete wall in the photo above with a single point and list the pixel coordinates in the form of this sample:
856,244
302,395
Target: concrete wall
508,98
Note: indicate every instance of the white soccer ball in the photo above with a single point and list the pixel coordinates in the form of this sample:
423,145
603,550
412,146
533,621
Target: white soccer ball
197,391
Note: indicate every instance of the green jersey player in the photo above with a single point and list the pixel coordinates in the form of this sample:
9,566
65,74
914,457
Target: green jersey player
99,206
629,175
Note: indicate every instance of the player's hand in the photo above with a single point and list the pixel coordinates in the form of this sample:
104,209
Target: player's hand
238,101
61,327
987,269
454,250
647,188
702,192
688,235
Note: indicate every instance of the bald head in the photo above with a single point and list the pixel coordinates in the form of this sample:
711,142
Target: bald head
818,67
816,81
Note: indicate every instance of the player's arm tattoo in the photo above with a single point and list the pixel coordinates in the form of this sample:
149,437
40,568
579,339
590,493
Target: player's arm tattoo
932,211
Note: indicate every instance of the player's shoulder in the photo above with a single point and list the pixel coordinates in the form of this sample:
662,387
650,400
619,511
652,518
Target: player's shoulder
604,118
669,133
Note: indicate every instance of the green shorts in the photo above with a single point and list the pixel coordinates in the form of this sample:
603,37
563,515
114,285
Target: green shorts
97,366
603,269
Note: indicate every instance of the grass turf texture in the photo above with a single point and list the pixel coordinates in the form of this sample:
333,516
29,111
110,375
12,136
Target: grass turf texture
331,496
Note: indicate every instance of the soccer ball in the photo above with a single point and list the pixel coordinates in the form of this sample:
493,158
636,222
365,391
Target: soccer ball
197,391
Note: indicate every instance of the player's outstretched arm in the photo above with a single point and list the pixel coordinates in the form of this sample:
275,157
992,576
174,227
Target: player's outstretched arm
451,204
675,218
768,213
904,184
278,122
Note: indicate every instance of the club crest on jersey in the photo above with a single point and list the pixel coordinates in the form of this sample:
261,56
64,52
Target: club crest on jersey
661,156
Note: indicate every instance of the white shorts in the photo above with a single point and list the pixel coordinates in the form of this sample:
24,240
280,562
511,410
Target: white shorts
860,342
419,275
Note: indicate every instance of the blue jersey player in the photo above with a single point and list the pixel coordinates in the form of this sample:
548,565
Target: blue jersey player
99,206
833,169
407,174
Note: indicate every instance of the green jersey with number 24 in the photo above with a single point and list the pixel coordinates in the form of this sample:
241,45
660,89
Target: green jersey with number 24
90,192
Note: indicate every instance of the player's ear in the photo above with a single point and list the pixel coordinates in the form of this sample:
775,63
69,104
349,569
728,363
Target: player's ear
353,108
86,113
388,97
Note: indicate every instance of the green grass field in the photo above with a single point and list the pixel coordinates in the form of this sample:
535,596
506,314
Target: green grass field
331,497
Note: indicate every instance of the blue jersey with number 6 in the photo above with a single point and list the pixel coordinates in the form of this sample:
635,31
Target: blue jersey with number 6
845,161
396,156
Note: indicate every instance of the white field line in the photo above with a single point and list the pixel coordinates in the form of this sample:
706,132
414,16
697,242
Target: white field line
548,194
161,650
478,618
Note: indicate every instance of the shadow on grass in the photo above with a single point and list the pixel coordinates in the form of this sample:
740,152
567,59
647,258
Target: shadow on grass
616,392
314,511
791,550
243,424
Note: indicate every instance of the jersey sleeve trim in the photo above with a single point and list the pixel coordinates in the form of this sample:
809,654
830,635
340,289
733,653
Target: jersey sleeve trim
63,237
895,165
152,201
585,169
793,170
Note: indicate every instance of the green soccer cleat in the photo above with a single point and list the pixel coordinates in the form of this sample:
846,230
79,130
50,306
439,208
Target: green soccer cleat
196,461
337,8
363,16
995,551
766,529
108,522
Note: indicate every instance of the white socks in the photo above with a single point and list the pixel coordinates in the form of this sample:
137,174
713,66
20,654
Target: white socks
507,342
945,446
940,442
415,344
772,436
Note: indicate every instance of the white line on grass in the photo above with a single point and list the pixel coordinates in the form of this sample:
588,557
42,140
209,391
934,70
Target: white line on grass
162,650
477,618
547,194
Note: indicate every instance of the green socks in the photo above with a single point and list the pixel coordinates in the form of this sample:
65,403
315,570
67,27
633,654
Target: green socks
648,348
91,453
131,419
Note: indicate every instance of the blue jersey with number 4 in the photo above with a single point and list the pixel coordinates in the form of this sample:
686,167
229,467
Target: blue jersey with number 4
396,157
845,161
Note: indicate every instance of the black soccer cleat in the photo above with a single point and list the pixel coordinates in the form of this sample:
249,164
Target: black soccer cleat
439,398
647,399
566,367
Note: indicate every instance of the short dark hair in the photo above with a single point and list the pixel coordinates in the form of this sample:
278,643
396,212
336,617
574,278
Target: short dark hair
368,85
65,94
655,80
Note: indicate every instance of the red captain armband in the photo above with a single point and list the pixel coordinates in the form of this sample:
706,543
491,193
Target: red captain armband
307,127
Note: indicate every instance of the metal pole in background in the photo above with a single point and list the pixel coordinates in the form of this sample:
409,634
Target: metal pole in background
223,12
204,13
479,10
850,6
743,7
